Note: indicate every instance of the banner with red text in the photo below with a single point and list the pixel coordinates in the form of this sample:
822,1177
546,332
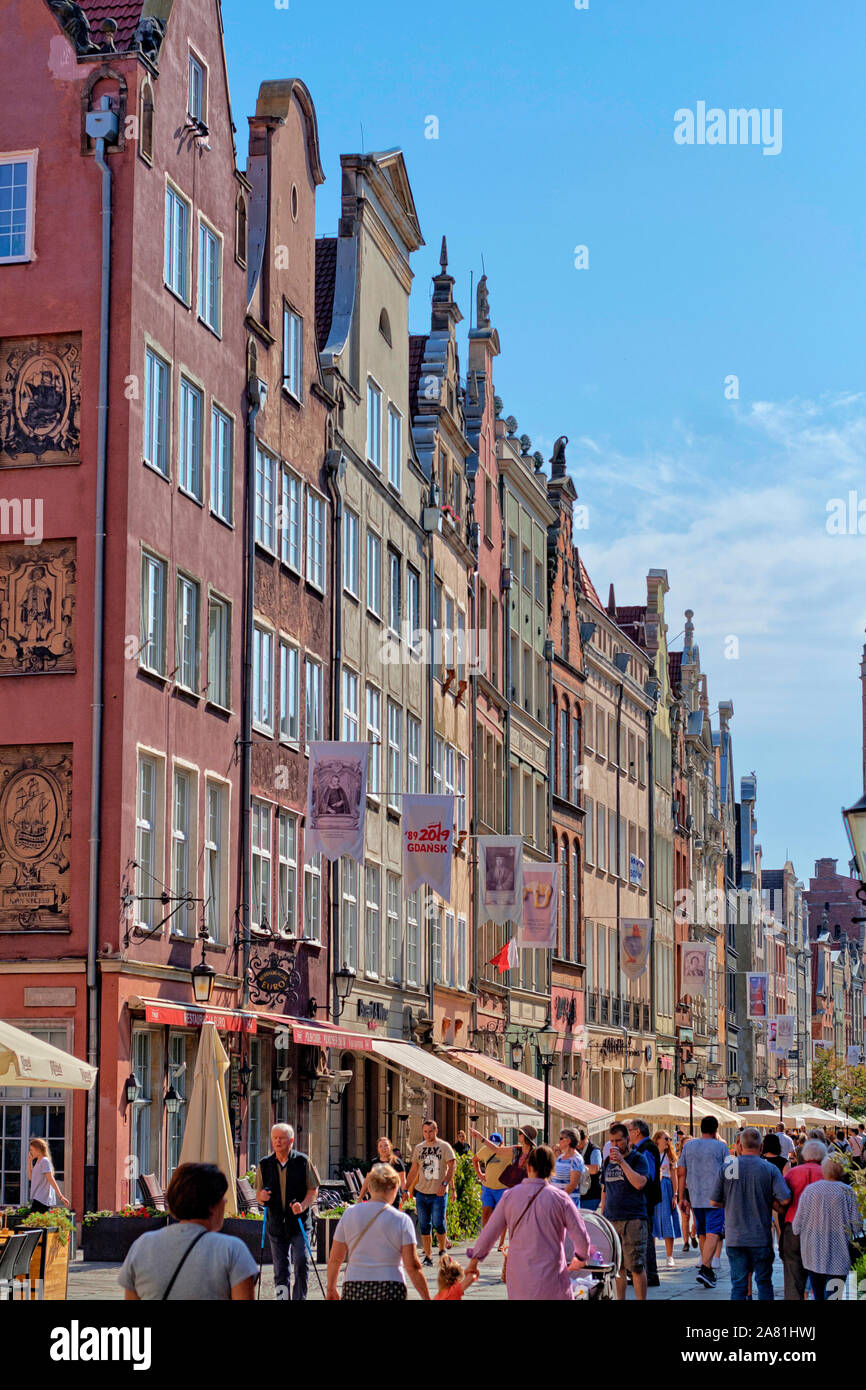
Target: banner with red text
428,843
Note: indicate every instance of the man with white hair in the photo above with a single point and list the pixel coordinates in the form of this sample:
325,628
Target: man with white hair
749,1188
807,1171
786,1143
287,1186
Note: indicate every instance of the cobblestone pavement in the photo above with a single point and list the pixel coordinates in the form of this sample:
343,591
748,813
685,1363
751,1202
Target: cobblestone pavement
99,1281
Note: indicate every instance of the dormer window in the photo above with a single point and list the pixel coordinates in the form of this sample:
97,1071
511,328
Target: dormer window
385,326
197,97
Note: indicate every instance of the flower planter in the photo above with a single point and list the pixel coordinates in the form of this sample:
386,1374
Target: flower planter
325,1228
250,1232
109,1238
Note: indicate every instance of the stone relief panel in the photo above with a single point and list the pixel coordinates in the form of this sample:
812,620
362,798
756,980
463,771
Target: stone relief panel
35,831
40,400
37,608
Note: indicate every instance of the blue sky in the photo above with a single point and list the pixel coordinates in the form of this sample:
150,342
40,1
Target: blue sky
556,130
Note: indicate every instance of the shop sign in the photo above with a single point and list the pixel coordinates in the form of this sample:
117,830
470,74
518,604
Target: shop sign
330,1037
194,1018
373,1010
564,1009
273,980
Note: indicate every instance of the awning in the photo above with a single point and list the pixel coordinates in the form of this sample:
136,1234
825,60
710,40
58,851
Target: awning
28,1061
311,1034
561,1102
507,1109
190,1016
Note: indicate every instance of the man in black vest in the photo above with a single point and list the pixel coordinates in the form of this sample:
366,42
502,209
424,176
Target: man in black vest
639,1138
288,1184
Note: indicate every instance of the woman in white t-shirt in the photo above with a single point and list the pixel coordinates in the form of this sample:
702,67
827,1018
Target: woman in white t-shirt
44,1192
378,1241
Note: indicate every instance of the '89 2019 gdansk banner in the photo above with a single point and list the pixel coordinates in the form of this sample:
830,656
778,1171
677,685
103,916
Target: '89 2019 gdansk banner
428,843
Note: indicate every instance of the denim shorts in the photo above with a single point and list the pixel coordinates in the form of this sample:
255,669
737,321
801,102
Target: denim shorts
431,1212
491,1197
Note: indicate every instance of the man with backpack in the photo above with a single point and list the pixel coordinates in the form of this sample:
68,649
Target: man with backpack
590,1181
639,1138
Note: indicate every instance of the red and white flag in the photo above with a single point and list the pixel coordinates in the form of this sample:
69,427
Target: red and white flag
508,958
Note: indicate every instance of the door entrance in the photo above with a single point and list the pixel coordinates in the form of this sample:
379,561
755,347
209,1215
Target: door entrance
21,1121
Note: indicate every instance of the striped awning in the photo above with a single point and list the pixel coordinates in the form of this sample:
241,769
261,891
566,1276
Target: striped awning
508,1110
561,1102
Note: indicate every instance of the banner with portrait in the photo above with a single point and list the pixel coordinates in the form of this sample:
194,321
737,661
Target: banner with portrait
757,995
693,967
428,843
784,1034
336,800
500,867
635,936
540,917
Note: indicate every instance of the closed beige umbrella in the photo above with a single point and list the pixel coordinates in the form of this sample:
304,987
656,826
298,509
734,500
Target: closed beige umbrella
28,1061
207,1136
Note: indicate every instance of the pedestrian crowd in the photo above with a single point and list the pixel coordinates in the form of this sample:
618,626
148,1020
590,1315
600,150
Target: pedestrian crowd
786,1192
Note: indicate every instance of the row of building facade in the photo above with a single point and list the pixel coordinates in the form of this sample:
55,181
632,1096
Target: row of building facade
271,514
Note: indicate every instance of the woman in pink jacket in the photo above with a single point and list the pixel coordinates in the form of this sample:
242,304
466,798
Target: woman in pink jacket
538,1219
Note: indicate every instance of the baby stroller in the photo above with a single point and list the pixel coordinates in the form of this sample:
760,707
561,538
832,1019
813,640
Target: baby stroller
604,1239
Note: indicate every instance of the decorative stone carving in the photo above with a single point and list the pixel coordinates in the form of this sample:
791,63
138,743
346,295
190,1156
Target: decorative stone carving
35,830
75,24
37,608
148,36
482,304
40,400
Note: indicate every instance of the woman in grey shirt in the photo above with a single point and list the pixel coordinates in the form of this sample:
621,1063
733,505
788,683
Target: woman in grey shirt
191,1260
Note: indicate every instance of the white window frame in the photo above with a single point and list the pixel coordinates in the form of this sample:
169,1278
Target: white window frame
261,866
374,424
373,712
266,500
222,435
263,678
349,914
199,89
178,284
210,275
393,971
374,573
186,630
219,652
313,700
413,754
287,872
413,608
372,920
28,158
395,447
351,683
413,938
216,840
351,552
183,846
293,353
148,823
153,564
395,591
395,755
317,545
290,692
462,953
291,518
157,373
190,437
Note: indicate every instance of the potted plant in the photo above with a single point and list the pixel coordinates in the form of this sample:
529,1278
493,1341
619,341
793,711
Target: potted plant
50,1261
325,1224
108,1235
248,1228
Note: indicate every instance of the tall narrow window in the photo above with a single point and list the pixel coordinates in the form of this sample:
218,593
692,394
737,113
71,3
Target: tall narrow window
263,678
154,573
316,539
176,1119
147,886
314,709
350,706
290,674
241,230
349,919
494,644
261,864
413,754
209,277
266,485
575,759
394,592
488,508
413,606
575,904
214,862
293,351
562,933
392,934
412,939
589,831
462,953
313,899
563,753
190,438
395,755
196,94
177,243
183,850
374,573
186,633
371,920
221,471
156,386
448,954
438,764
291,523
351,553
436,943
395,448
374,425
374,738
462,811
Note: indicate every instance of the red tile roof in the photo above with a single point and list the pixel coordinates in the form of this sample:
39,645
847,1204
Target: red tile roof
675,663
326,275
586,583
126,14
417,345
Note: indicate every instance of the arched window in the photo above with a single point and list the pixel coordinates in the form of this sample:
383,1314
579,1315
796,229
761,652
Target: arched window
241,230
562,932
575,903
563,751
564,634
145,135
385,326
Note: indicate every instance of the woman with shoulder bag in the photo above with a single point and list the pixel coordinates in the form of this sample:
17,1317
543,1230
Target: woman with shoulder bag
377,1240
516,1170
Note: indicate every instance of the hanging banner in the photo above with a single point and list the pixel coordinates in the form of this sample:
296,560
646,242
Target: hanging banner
336,800
635,870
852,1055
634,945
784,1034
693,964
757,995
501,871
540,920
428,842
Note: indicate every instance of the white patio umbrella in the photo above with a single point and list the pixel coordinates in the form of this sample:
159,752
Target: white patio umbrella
207,1136
28,1061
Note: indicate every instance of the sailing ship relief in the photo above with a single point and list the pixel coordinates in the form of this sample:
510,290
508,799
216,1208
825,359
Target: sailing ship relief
40,400
35,827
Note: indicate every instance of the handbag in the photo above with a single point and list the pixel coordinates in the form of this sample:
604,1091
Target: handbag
514,1173
513,1231
183,1259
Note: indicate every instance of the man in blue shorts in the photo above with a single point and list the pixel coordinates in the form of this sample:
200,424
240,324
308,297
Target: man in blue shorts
701,1162
488,1163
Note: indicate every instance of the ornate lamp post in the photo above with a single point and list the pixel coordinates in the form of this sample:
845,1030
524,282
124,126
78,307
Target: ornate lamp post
546,1040
691,1079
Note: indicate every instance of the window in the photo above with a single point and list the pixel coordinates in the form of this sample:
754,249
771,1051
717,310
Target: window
349,918
177,243
524,567
290,520
221,445
437,654
562,932
436,942
219,652
527,679
140,1137
448,959
293,352
563,753
266,483
374,425
589,831
147,874
612,849
189,442
374,738
589,715
641,761
261,864
539,587
448,653
623,850
154,573
450,780
461,953
196,99
563,634
488,509
385,326
316,540
462,825
186,633
438,757
413,754
632,756
395,755
575,760
601,837
461,644
156,386
374,573
512,546
494,644
177,1078
182,846
392,934
314,709
263,678
290,694
17,177
241,230
215,862
351,553
541,815
313,899
395,447
371,920
413,605
394,594
575,904
412,939
350,706
600,732
209,277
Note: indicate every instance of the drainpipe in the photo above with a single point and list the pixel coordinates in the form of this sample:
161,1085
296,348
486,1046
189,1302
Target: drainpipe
102,127
253,408
650,715
431,579
472,765
332,472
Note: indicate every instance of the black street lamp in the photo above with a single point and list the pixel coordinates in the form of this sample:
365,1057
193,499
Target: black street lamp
690,1078
344,983
132,1089
172,1101
855,824
546,1040
203,975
